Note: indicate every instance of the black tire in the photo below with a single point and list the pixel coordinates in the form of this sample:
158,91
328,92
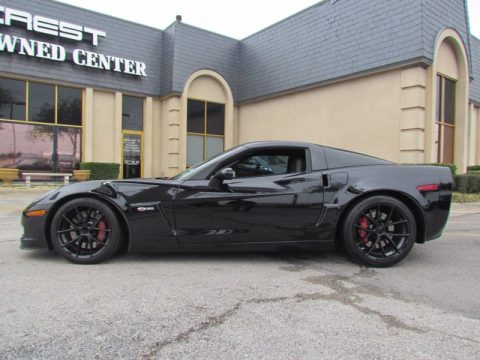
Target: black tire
86,231
379,231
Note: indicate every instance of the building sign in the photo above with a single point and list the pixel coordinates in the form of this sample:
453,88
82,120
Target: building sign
54,52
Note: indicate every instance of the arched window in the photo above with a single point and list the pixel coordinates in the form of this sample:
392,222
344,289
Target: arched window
445,120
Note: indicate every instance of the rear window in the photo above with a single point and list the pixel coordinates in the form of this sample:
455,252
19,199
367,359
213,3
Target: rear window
341,158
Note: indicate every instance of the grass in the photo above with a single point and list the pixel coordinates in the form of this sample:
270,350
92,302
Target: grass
465,198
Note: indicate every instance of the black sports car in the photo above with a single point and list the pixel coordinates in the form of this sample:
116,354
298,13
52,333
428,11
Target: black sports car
271,195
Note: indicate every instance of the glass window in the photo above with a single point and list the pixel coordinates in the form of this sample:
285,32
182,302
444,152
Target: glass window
132,113
196,116
213,146
41,103
69,104
445,120
12,99
216,119
448,133
449,101
26,147
271,162
69,144
439,101
194,149
40,147
205,130
132,156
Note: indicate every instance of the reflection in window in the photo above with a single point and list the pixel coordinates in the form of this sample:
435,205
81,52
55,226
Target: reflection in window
205,130
271,162
69,102
31,147
132,113
69,144
12,99
41,103
38,144
26,147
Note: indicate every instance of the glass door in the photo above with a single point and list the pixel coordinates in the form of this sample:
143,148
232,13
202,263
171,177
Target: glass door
132,144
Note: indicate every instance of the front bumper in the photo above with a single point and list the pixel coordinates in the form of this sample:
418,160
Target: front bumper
27,243
33,233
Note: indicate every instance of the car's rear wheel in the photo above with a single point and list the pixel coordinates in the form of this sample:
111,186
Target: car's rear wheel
86,231
379,231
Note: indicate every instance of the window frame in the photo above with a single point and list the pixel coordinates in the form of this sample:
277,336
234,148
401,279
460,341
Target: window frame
205,134
55,124
440,121
27,103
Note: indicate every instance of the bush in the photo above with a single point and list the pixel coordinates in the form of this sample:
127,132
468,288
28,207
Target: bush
101,171
473,168
465,198
467,183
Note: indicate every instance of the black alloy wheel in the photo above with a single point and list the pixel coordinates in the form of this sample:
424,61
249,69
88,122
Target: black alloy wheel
86,231
379,231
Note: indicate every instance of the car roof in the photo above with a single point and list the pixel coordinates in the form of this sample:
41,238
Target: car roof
264,143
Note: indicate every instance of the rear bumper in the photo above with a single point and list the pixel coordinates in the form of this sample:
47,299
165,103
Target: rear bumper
436,216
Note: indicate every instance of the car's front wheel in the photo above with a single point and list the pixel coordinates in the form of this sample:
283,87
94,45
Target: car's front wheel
86,231
379,231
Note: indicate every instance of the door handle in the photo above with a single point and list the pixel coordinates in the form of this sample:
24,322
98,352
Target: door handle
289,181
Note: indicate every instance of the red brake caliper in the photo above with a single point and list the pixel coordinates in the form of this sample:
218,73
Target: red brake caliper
363,222
101,232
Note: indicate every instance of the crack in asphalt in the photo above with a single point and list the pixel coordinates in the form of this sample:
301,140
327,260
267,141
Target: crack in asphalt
349,296
340,294
212,321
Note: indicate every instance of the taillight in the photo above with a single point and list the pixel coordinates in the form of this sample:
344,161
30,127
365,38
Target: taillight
428,187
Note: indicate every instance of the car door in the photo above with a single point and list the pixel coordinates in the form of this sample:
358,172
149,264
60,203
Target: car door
267,203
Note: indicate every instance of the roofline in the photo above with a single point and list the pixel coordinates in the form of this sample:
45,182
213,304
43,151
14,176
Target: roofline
320,3
208,31
401,64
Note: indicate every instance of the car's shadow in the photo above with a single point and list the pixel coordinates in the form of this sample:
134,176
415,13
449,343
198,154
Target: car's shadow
212,257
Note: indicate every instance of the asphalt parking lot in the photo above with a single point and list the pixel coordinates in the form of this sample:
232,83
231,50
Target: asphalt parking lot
216,306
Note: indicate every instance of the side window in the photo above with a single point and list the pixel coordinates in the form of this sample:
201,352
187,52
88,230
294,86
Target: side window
270,162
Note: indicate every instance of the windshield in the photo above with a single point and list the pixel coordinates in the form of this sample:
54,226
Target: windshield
200,166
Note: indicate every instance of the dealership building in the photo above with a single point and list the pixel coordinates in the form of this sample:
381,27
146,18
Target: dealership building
394,79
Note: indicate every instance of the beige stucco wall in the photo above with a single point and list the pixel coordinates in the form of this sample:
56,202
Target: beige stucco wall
360,114
102,140
447,61
159,140
103,126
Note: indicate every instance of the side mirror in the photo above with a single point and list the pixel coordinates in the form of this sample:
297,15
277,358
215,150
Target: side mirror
225,174
216,181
